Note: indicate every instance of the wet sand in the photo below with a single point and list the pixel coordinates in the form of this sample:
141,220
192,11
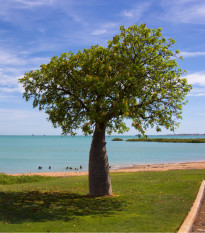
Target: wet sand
133,168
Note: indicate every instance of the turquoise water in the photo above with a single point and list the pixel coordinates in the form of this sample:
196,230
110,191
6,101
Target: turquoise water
20,154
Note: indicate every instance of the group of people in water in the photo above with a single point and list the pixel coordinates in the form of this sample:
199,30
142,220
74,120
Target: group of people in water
40,167
70,168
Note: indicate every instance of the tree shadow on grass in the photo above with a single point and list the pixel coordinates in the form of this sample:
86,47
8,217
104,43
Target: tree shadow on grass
35,206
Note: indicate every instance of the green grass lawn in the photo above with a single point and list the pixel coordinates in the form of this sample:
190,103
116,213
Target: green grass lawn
144,202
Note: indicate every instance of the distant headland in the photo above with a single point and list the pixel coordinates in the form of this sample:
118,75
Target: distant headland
187,134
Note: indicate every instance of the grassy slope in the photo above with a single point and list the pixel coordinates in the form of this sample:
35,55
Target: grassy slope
145,201
4,179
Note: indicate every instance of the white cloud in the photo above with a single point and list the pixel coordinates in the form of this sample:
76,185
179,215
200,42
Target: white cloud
8,58
98,32
197,78
20,12
38,60
128,13
13,65
184,11
198,81
105,28
10,98
8,80
12,4
110,25
34,3
15,114
192,54
25,122
17,88
137,12
197,92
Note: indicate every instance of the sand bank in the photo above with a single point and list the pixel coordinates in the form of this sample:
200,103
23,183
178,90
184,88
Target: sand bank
133,168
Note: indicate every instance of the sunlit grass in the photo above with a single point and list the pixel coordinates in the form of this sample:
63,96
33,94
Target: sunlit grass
5,179
143,202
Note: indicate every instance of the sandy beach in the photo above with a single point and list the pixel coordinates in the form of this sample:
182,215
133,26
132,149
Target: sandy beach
133,168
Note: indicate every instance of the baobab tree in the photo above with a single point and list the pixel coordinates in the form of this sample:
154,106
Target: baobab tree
135,77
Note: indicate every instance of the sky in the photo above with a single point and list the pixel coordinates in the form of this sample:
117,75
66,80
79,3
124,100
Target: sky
33,31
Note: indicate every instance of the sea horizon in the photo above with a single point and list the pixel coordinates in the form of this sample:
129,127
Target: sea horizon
25,153
113,135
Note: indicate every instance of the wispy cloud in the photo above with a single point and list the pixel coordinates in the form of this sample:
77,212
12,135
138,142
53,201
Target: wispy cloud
22,4
184,11
15,114
137,11
98,32
25,122
105,28
197,78
8,58
126,16
192,54
198,81
13,65
18,88
197,92
9,10
28,14
10,98
33,3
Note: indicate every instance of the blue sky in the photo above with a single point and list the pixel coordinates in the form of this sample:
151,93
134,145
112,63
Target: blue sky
33,31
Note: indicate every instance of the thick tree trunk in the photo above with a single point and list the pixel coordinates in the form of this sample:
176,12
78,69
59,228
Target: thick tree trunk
99,175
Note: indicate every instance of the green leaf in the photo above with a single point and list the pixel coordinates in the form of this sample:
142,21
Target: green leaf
136,76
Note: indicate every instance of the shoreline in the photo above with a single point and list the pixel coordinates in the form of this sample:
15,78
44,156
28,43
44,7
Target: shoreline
132,168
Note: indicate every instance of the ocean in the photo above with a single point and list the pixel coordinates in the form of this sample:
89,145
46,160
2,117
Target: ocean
24,154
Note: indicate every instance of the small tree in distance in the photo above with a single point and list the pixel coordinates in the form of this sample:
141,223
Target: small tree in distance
135,77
